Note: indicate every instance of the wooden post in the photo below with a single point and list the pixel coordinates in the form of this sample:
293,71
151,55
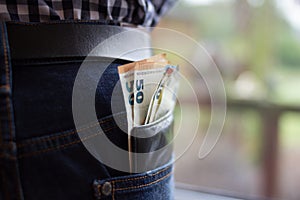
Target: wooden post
270,151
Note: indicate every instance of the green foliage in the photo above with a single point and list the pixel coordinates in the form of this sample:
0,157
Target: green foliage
288,50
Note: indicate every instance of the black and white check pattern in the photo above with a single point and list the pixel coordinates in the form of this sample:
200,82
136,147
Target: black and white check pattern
138,12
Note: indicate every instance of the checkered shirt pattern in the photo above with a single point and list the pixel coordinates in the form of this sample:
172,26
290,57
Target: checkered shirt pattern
137,12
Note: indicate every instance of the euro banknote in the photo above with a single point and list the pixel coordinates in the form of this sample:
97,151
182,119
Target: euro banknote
139,81
149,90
164,98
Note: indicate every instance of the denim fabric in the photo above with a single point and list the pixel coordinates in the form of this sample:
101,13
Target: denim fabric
41,154
156,184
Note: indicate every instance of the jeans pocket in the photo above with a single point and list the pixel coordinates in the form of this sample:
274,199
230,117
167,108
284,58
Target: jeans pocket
151,160
156,184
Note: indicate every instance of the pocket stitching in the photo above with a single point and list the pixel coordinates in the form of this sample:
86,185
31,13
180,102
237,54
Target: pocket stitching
137,178
145,185
26,143
63,145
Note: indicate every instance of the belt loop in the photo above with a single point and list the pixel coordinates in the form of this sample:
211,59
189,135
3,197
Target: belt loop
9,171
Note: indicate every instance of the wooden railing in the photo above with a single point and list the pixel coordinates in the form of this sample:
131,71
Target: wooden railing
270,115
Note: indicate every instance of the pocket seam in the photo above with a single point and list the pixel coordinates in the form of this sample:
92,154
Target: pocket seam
137,178
69,132
145,185
63,145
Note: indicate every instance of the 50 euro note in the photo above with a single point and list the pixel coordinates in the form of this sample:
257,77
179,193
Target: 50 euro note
138,81
164,98
147,76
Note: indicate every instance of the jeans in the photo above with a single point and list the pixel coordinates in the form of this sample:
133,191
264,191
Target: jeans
41,154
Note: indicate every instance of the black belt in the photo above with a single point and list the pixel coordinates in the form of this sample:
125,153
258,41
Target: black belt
74,39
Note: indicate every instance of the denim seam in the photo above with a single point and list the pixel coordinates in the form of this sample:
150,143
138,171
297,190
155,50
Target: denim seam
145,185
9,109
63,145
99,191
6,194
6,86
137,178
73,131
7,81
113,191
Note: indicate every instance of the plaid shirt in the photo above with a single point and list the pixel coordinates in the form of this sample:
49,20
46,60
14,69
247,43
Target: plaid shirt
137,12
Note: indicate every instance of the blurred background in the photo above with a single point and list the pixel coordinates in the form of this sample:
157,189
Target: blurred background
256,46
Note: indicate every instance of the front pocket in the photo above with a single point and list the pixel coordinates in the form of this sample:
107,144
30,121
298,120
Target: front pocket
152,144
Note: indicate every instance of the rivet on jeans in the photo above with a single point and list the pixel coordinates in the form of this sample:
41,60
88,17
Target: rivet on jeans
106,188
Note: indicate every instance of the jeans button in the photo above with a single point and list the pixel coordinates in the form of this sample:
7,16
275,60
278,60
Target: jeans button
106,188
